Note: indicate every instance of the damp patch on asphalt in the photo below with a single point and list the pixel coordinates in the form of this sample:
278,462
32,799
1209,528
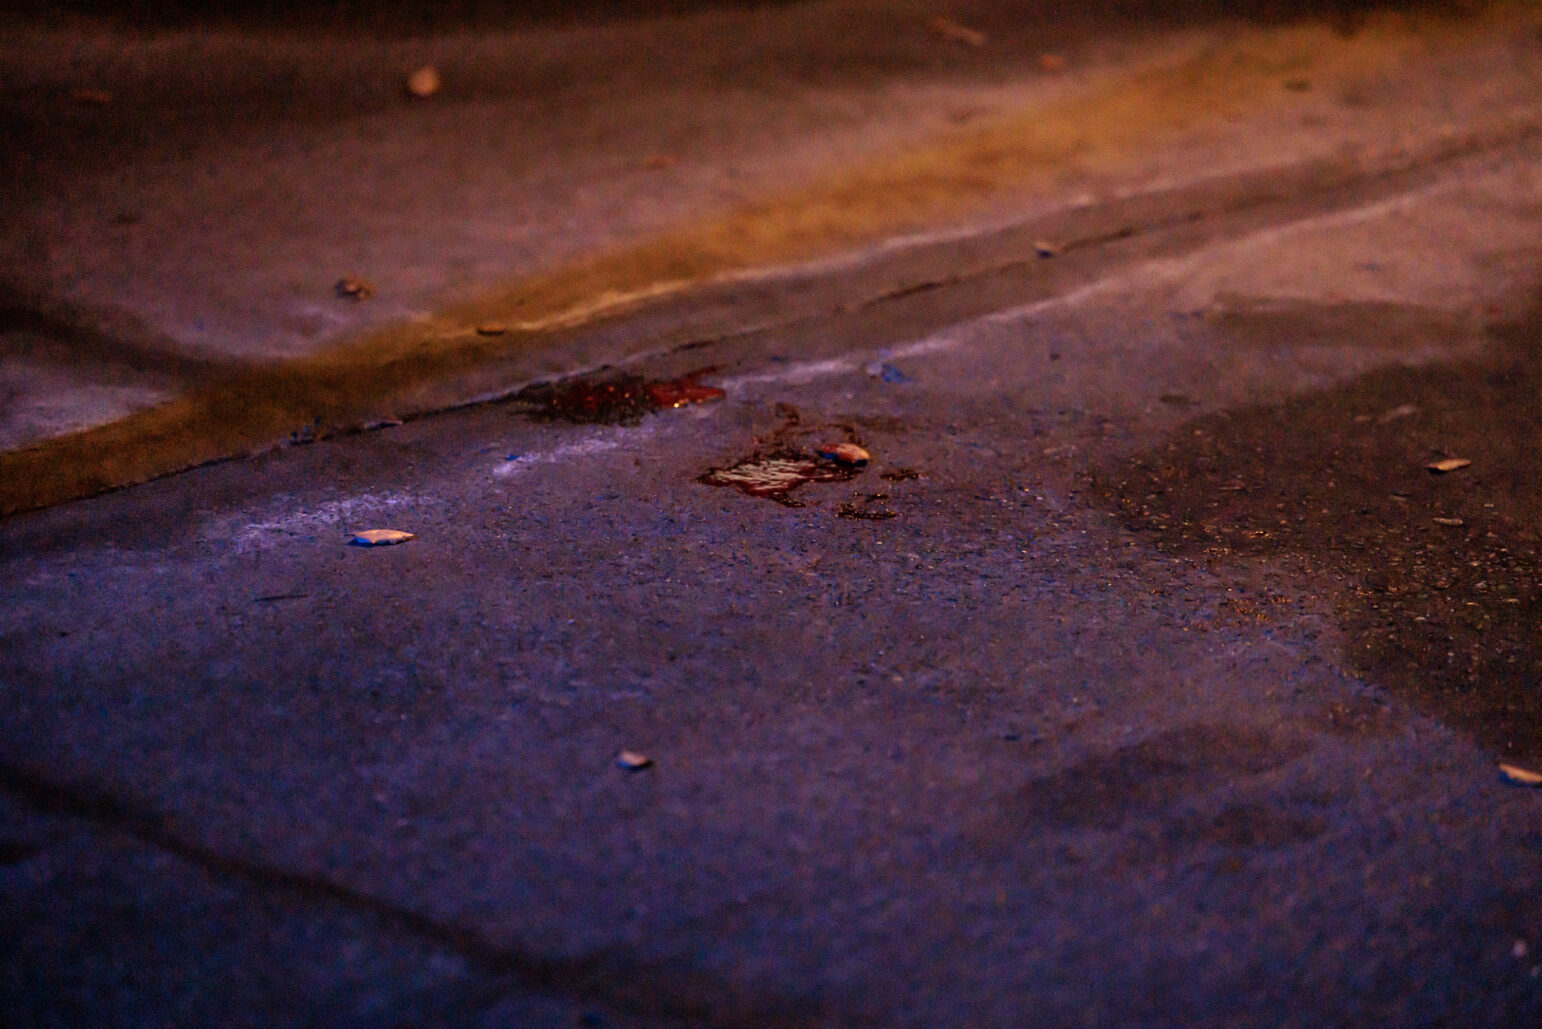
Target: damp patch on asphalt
1150,777
1434,575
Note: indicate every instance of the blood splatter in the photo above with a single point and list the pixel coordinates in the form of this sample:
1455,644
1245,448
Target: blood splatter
777,473
616,399
785,460
681,392
868,507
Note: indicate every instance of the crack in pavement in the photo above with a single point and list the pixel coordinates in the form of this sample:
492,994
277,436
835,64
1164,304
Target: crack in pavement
627,983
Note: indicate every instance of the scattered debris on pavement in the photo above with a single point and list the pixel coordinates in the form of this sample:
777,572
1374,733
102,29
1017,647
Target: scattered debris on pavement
775,475
381,537
349,288
1449,464
633,761
1453,522
424,82
784,461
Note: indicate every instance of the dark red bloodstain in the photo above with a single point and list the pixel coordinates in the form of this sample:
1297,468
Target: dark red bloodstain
682,392
1437,579
615,399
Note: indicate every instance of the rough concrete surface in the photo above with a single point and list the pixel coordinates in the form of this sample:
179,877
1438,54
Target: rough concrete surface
1132,681
197,193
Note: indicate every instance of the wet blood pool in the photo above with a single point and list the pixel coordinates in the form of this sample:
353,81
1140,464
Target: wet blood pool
614,400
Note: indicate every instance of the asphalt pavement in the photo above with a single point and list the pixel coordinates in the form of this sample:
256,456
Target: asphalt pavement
1105,613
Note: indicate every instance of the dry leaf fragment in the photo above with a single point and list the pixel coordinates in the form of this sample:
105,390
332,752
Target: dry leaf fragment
1520,776
381,537
1454,522
847,453
1450,464
633,761
424,82
353,289
947,28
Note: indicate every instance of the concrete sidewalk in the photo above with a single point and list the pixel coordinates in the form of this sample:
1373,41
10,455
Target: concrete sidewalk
186,203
